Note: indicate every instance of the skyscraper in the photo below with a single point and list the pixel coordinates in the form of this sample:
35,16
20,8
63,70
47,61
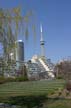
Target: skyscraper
20,51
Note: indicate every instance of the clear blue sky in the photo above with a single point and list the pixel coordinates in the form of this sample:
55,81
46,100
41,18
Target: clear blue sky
55,16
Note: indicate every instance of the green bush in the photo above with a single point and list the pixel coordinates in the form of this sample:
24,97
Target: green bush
9,79
2,80
59,77
28,101
20,79
17,79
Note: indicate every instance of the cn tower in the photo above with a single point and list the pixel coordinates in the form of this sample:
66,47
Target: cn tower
42,43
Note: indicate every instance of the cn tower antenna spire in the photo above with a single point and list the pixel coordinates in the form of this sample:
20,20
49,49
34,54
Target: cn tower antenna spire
41,28
41,33
42,42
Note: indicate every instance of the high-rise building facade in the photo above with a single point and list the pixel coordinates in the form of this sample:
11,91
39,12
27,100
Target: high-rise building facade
20,51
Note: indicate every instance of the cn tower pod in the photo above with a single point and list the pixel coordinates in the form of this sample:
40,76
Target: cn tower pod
42,42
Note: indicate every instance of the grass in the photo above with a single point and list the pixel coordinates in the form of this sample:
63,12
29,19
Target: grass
34,88
61,103
30,88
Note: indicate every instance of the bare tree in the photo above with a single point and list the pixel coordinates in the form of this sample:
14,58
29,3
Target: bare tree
63,69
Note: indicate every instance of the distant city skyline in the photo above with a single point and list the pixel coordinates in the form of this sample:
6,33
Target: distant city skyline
55,16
